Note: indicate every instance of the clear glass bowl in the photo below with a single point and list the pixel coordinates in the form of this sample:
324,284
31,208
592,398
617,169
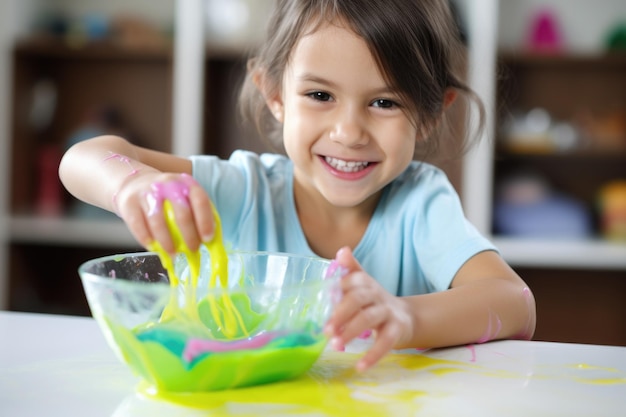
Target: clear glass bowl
278,305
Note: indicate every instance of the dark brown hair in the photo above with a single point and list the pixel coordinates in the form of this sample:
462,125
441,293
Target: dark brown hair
416,43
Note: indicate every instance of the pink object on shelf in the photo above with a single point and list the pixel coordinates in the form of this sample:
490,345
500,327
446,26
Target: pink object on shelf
545,33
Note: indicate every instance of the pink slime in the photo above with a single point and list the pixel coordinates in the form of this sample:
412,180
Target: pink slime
127,161
489,335
196,347
527,296
175,191
123,159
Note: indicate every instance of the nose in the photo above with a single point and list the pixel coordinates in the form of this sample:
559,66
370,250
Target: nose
348,127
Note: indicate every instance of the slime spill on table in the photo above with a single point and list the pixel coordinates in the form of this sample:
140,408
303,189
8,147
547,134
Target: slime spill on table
211,343
403,384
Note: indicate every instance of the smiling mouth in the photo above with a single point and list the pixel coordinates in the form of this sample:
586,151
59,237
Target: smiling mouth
346,166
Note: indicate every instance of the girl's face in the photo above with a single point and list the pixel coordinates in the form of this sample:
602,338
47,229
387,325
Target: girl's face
344,128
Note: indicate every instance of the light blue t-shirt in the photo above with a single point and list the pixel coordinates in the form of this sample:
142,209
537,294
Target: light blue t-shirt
416,241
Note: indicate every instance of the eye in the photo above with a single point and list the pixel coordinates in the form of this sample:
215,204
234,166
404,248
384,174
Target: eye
319,96
384,103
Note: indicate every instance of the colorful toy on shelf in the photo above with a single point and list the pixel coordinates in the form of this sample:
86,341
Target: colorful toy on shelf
603,130
616,38
527,206
545,34
612,207
536,131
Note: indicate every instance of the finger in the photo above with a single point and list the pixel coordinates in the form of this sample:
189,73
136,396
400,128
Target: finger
186,226
159,230
347,260
354,299
202,213
136,223
359,290
335,325
368,318
385,340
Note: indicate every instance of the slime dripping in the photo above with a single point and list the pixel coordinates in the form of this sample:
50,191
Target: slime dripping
223,310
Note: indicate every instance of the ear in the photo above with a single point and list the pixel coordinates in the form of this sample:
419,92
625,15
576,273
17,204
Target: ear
272,96
449,97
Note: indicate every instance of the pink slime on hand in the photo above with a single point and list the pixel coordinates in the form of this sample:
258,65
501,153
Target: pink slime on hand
343,271
175,191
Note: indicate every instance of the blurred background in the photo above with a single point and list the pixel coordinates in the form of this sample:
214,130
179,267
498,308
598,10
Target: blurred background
547,183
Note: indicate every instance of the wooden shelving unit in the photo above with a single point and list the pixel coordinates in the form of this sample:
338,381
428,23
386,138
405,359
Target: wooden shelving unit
579,283
139,83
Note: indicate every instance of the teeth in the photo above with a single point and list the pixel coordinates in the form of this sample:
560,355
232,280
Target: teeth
346,166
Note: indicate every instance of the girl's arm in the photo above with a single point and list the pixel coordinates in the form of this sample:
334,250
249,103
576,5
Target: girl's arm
487,300
94,170
111,173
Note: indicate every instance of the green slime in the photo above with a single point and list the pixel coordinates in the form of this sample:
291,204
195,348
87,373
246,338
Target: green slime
155,354
154,350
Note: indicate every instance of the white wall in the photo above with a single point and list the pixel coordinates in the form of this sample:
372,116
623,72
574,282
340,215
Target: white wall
584,23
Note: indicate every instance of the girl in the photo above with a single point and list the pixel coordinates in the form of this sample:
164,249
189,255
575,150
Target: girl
353,89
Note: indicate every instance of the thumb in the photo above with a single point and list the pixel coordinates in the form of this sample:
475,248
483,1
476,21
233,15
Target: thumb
346,259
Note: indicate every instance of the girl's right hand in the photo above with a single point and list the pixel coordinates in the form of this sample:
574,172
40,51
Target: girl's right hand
139,202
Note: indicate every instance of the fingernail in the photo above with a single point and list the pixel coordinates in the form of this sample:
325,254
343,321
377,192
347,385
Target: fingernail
335,342
332,268
366,334
335,268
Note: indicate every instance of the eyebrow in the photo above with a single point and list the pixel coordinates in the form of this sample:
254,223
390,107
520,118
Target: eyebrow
314,78
308,77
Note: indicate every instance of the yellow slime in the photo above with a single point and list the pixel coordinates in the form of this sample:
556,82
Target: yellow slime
224,312
206,345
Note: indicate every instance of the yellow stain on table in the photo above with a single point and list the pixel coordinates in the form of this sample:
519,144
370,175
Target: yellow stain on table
611,380
331,388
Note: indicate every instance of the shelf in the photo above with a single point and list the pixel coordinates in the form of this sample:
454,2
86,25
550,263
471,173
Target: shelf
59,231
565,254
575,156
46,47
563,61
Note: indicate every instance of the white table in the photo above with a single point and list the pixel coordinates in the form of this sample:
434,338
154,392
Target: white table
61,366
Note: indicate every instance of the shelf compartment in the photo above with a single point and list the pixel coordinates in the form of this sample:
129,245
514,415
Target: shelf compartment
64,231
562,254
137,83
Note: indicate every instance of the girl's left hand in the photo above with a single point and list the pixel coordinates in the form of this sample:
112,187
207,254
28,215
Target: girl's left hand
366,305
